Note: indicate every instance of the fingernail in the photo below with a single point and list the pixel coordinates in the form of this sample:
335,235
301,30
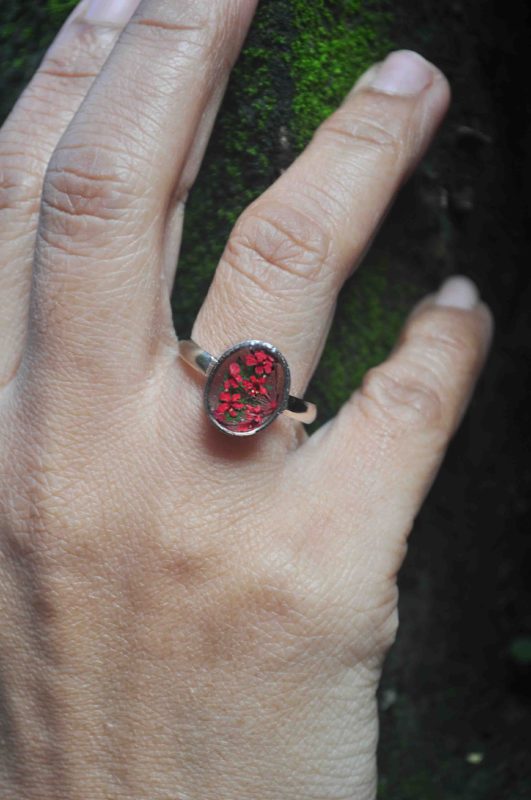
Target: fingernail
110,12
404,73
458,292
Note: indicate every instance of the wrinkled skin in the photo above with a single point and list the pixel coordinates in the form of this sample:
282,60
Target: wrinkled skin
185,614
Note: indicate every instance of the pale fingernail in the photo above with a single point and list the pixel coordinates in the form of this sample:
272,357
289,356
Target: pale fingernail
458,292
404,73
110,12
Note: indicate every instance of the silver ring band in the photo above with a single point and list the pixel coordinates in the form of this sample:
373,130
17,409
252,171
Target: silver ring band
257,375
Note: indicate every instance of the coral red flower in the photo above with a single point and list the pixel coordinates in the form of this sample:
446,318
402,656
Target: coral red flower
261,361
265,363
229,404
267,367
254,385
234,378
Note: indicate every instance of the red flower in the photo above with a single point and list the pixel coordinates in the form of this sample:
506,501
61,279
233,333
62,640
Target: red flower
255,414
255,386
261,361
265,362
234,405
234,378
267,368
229,404
253,419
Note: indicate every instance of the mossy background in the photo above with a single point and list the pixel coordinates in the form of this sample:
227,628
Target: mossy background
455,695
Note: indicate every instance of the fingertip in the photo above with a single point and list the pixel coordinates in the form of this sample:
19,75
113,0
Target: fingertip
458,291
405,73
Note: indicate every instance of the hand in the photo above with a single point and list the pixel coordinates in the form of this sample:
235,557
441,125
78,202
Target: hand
186,614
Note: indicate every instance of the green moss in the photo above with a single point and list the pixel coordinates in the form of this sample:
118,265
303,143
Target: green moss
369,315
25,31
520,650
60,8
246,154
334,45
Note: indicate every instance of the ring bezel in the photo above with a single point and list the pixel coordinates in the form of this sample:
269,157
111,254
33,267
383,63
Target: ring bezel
218,364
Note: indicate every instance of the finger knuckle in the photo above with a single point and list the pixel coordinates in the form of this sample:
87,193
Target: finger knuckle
201,22
443,337
354,129
86,187
202,30
401,400
73,61
278,247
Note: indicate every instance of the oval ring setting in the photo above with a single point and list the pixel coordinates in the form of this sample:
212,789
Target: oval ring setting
247,387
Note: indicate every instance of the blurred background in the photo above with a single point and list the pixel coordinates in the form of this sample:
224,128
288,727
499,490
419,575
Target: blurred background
456,692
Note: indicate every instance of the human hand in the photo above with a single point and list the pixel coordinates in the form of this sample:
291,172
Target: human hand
185,614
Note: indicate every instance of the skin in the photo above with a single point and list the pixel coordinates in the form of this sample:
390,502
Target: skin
185,614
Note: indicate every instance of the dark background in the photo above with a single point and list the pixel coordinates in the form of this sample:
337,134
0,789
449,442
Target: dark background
456,693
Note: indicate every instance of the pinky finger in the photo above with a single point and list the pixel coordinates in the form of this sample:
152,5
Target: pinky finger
391,436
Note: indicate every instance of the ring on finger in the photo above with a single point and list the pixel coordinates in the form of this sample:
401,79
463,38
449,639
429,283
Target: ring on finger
247,387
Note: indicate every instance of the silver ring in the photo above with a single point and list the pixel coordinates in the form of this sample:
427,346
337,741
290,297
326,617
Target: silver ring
247,387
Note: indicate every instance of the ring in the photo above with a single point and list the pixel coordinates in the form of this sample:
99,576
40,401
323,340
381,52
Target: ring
247,387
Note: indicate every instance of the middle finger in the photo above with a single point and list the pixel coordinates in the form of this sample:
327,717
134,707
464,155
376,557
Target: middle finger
27,141
110,209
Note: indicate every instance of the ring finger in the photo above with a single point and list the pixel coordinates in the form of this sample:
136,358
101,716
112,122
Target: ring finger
293,248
